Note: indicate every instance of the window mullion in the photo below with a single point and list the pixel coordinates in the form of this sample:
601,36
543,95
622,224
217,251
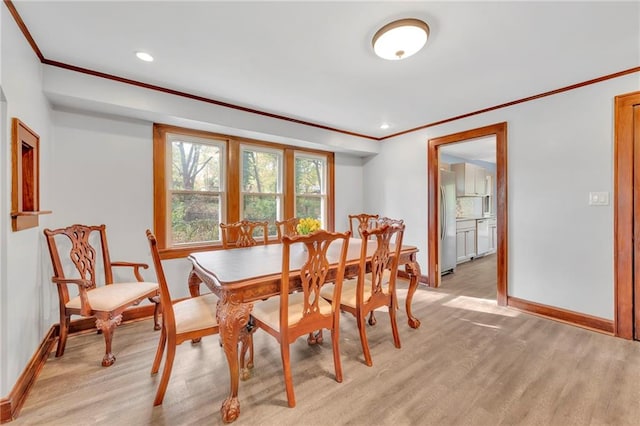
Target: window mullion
233,182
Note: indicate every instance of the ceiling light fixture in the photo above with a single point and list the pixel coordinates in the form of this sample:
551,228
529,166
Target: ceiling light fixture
384,126
144,56
400,39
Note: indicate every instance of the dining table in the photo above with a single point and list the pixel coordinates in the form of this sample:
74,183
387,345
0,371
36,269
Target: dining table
241,276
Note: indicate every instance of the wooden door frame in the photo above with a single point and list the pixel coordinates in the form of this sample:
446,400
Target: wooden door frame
499,130
623,217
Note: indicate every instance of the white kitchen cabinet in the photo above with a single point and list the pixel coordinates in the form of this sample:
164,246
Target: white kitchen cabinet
482,237
471,180
493,235
465,240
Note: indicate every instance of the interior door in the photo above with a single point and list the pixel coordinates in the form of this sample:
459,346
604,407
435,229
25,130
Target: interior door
627,216
636,221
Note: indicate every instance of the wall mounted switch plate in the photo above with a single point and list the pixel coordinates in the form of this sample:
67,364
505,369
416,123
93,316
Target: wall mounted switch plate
598,198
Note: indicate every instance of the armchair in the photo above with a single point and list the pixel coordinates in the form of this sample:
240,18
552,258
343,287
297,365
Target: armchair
107,301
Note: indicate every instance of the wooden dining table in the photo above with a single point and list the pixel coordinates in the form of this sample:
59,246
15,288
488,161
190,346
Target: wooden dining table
243,275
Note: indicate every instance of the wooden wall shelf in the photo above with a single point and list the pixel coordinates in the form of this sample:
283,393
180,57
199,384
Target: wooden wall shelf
25,175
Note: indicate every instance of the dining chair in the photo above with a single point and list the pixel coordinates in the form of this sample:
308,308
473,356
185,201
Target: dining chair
187,319
241,234
99,298
287,227
296,314
377,288
359,222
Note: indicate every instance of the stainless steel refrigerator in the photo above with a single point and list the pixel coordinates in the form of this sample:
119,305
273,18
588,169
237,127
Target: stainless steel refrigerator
447,221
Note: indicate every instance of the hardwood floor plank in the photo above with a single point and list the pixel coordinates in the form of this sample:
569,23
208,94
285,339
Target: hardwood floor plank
491,366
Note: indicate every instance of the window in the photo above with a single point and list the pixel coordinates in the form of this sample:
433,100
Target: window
261,190
310,186
196,189
202,179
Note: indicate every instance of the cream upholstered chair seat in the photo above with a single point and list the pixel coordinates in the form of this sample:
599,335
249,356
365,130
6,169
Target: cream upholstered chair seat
348,296
110,297
268,311
196,314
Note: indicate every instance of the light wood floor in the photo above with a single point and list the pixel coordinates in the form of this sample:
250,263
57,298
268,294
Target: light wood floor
470,363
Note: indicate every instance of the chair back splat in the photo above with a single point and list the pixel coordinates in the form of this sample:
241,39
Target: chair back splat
287,227
360,222
241,234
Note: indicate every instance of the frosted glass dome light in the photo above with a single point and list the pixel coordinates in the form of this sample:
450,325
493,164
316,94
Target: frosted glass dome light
400,39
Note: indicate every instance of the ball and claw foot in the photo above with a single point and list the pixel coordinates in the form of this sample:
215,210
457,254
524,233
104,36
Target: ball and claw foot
316,338
108,359
230,409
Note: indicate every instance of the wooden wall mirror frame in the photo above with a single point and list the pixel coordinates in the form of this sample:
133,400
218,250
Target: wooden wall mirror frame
25,175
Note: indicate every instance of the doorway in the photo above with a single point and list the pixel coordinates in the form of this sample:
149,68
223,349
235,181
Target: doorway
627,216
499,131
467,216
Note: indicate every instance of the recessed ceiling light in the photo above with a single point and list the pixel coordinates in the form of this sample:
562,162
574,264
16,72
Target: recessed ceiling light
384,126
144,56
400,39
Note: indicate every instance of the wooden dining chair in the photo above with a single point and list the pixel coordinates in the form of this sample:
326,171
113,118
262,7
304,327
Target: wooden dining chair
187,319
241,234
359,222
377,288
287,227
102,299
296,314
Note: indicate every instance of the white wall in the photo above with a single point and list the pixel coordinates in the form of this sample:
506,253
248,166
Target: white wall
20,284
559,149
348,189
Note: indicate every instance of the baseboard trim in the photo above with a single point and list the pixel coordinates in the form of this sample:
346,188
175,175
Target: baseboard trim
5,410
563,315
13,403
10,406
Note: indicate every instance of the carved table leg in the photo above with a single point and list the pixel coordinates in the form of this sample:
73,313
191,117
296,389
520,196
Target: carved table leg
107,326
194,282
232,316
413,269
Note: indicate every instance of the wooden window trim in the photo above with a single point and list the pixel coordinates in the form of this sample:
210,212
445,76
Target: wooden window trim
232,180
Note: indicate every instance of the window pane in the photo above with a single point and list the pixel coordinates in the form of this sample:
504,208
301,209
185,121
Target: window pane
309,175
195,166
261,208
195,218
260,171
309,207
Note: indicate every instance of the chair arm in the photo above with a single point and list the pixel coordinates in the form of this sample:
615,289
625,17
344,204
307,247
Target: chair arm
85,306
136,268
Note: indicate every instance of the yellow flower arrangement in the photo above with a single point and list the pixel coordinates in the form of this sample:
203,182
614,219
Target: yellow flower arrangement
308,225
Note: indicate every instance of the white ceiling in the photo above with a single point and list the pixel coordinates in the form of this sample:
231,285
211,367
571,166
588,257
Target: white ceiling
313,61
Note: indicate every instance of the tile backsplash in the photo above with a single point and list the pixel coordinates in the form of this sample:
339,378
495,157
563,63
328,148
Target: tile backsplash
469,207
